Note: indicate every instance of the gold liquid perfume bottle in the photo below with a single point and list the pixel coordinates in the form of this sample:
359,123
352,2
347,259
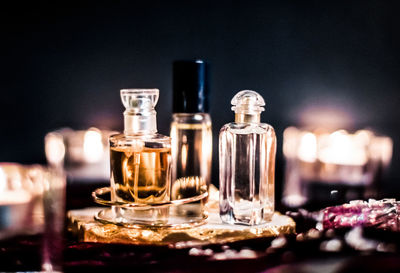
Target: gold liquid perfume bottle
140,157
190,128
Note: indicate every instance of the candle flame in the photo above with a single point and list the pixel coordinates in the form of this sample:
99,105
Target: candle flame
290,136
339,147
12,193
93,148
343,149
382,150
308,147
54,149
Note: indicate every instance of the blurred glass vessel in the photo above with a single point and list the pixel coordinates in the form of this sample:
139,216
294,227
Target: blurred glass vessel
247,163
326,167
191,124
32,200
140,158
83,154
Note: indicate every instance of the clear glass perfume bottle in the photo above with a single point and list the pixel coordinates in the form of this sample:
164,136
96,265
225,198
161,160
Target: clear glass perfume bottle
247,163
191,126
140,157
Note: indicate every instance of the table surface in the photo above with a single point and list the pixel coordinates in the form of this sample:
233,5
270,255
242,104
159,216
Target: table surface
256,255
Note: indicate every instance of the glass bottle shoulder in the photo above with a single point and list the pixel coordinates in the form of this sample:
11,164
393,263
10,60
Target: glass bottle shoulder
248,128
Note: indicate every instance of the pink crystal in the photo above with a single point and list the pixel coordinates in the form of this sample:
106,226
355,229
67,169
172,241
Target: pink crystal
383,214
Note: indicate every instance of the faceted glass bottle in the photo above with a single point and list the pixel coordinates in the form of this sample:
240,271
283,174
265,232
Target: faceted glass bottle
247,163
191,132
140,157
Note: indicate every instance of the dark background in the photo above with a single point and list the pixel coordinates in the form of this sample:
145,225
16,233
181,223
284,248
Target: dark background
334,63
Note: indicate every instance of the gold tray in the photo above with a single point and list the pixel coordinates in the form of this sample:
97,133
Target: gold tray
82,224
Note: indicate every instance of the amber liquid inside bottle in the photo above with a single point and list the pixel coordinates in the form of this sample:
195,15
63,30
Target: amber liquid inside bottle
141,175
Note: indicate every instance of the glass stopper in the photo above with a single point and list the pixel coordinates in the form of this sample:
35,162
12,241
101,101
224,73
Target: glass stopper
139,100
247,102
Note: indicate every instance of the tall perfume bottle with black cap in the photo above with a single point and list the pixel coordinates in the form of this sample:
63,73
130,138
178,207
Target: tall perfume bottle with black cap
191,132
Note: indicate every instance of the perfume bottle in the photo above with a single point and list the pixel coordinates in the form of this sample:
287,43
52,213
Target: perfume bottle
140,157
191,126
247,163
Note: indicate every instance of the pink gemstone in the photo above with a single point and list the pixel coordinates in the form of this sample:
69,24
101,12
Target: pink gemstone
382,214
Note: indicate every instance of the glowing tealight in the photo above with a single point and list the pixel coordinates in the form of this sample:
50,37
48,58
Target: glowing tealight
93,148
308,147
325,162
54,149
343,149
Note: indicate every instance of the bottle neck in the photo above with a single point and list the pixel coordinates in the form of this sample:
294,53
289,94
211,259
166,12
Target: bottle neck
136,123
247,118
188,118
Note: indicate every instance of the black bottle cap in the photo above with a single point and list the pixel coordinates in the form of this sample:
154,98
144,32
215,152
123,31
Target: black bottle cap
190,87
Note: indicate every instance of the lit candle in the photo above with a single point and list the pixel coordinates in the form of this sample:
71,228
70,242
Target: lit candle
83,154
93,148
317,158
15,200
